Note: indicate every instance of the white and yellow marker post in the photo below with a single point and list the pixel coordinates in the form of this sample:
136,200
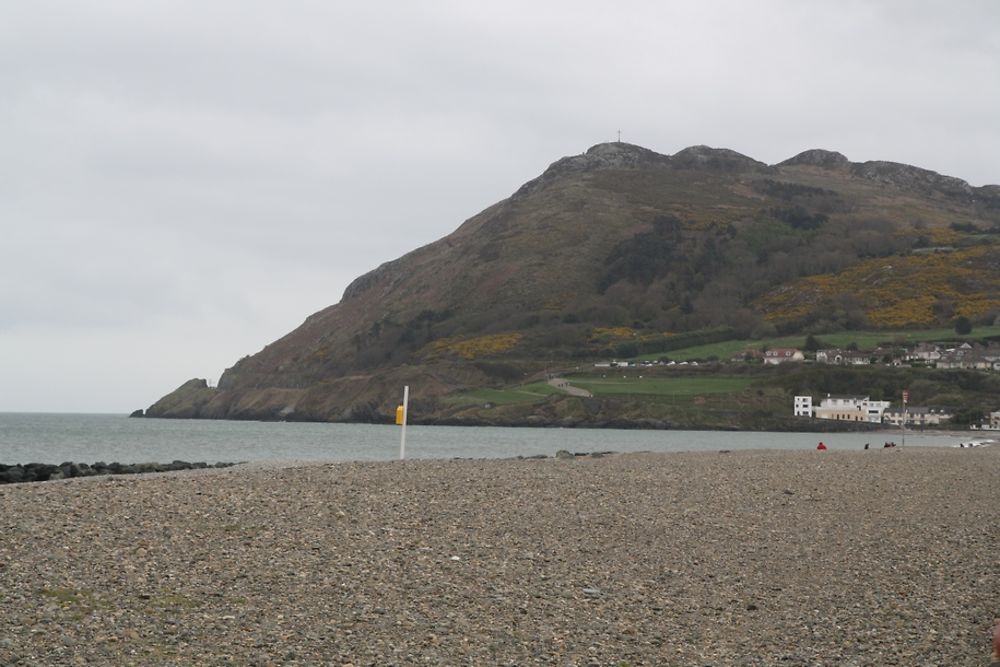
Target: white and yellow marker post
401,414
906,399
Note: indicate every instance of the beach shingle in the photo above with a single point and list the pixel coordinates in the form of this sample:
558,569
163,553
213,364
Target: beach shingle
748,558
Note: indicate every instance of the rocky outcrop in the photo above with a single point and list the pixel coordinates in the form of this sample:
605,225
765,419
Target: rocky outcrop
896,174
818,157
615,155
912,178
185,402
624,156
713,159
372,278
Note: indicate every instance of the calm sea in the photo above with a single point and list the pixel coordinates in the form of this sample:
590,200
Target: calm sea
55,438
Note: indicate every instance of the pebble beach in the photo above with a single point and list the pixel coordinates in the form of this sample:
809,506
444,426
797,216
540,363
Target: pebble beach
880,557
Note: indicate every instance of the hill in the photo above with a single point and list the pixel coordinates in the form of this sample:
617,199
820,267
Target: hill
623,250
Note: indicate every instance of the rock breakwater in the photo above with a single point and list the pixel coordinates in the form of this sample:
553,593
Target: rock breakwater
44,472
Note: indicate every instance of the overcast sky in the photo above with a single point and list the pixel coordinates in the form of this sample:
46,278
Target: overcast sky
183,182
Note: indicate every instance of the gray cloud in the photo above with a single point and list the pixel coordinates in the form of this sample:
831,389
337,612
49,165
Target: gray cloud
184,182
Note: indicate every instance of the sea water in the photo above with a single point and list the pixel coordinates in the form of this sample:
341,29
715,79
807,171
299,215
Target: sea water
88,438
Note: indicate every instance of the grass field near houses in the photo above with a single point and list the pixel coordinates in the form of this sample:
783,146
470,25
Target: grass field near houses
634,383
525,393
608,385
865,340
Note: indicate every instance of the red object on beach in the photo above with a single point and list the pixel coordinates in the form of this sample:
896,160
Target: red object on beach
821,446
996,641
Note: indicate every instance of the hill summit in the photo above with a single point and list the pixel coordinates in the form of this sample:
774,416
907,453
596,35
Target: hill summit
621,249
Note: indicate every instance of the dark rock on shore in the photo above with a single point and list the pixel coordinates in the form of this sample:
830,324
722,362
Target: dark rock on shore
44,472
138,413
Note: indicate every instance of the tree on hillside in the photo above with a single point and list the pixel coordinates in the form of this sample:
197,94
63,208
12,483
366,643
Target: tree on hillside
943,307
812,344
967,415
686,306
963,327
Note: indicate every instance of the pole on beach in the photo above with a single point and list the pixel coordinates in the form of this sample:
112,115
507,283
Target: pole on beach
406,409
906,398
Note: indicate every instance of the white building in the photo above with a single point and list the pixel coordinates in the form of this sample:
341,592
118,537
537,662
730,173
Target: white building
844,357
781,355
916,416
875,409
993,424
842,408
803,406
925,352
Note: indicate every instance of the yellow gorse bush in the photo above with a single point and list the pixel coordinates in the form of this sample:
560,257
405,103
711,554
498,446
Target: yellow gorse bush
898,291
470,348
603,333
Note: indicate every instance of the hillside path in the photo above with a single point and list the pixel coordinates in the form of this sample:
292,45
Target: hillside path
562,384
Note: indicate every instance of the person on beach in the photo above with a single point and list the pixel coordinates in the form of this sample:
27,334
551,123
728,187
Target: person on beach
821,446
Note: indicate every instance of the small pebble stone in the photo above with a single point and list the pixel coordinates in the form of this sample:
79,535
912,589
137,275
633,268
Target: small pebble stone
754,559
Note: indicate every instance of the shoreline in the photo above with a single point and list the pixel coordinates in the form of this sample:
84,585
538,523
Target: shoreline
17,473
831,427
56,439
755,557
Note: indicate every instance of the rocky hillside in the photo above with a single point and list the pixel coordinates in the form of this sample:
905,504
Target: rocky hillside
619,247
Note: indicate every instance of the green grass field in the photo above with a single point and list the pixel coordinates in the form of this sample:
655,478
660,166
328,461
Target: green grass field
611,384
631,384
525,393
672,393
865,340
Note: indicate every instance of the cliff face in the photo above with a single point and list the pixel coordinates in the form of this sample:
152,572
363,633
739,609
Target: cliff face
619,236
